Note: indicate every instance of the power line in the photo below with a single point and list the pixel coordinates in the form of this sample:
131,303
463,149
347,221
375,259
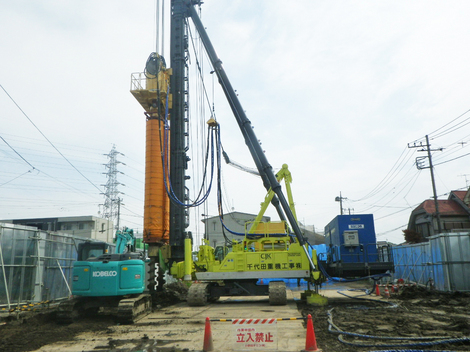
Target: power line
26,161
451,129
443,162
399,211
390,176
3,184
396,228
14,102
446,131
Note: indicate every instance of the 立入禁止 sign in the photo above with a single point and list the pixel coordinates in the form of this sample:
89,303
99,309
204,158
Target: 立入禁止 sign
255,334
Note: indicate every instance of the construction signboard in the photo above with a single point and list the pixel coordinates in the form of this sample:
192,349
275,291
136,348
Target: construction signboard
254,334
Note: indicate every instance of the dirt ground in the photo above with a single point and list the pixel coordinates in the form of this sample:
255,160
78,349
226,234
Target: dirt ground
417,313
28,331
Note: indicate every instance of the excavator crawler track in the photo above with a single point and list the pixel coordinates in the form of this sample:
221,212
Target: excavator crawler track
125,310
277,293
198,294
67,311
131,309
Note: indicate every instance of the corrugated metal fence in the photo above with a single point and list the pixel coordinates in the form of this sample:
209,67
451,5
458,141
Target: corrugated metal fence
444,262
35,265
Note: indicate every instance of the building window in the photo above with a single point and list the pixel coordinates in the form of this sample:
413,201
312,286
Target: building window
81,226
454,225
423,229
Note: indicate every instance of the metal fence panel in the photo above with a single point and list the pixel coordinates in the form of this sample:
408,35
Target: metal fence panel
444,261
412,262
35,265
454,253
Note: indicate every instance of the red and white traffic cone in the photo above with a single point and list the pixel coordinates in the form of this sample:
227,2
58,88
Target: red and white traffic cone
386,292
310,342
377,290
208,344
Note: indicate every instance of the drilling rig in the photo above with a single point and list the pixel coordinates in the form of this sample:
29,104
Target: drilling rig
268,250
151,89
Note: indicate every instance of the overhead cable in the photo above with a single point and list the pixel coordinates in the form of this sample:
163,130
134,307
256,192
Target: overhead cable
443,162
432,136
37,128
26,161
450,129
392,173
27,172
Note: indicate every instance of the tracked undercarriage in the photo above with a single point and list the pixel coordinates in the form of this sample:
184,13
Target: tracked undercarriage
126,310
200,293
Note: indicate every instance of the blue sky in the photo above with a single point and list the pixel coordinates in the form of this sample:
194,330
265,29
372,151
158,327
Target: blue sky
334,89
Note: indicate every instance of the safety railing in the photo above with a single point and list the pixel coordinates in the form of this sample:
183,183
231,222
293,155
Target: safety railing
138,81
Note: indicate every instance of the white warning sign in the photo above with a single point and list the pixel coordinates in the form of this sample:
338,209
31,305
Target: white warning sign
255,334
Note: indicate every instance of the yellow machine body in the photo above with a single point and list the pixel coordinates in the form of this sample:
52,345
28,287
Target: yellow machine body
264,256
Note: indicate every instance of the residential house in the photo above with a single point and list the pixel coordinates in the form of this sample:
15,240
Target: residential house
454,213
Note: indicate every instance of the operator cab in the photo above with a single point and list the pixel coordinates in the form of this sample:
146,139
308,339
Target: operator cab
117,257
89,250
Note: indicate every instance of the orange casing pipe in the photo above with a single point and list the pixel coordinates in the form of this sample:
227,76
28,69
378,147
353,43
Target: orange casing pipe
156,203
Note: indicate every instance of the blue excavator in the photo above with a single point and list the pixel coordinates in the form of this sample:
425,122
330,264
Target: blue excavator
109,280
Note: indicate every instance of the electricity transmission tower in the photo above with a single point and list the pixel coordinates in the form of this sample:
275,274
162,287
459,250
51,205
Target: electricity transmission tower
112,201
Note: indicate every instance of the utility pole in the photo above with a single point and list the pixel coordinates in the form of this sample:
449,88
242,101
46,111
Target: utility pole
340,200
420,166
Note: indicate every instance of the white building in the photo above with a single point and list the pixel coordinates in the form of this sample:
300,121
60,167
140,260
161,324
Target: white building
236,222
83,226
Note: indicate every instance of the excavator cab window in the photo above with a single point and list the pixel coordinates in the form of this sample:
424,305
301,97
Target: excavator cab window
91,250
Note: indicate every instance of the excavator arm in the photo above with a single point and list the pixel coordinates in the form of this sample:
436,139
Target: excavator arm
125,240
